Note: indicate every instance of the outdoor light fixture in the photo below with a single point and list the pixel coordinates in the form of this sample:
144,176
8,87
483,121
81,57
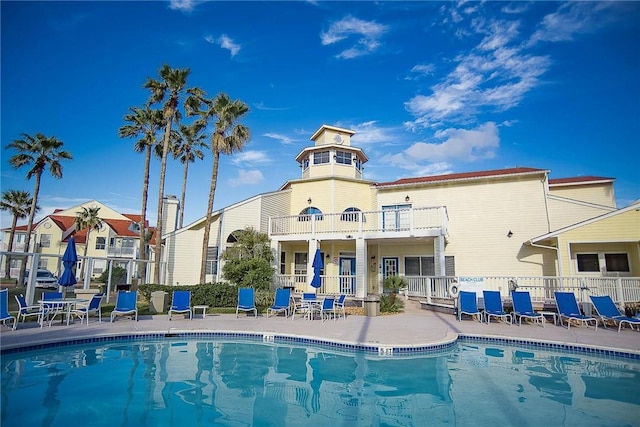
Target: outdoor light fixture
509,234
406,199
327,256
309,200
373,257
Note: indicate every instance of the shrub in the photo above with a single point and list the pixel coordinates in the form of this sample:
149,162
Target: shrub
118,276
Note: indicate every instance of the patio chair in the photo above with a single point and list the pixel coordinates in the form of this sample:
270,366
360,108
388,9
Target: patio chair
522,307
92,308
493,307
52,309
247,301
468,304
126,303
568,308
181,303
281,303
25,310
607,310
339,305
4,309
326,309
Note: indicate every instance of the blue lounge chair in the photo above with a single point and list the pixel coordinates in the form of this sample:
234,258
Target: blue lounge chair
281,303
92,308
607,310
52,309
522,307
327,308
493,307
126,303
339,305
468,304
568,309
181,303
247,301
25,310
4,309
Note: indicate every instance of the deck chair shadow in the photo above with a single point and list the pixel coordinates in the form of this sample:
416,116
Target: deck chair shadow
523,307
493,307
181,303
247,301
468,304
568,309
4,309
281,303
92,308
608,311
25,310
126,304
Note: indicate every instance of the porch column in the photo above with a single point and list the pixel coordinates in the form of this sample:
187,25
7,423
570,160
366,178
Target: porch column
438,256
313,245
361,268
275,249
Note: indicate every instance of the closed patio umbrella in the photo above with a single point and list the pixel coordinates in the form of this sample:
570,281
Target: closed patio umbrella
317,266
69,259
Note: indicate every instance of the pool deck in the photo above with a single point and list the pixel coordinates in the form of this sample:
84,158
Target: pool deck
414,327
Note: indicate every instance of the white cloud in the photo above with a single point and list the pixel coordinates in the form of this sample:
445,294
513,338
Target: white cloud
369,133
249,157
183,5
247,177
367,34
224,42
282,138
421,70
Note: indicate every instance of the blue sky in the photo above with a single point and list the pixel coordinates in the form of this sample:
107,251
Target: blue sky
429,87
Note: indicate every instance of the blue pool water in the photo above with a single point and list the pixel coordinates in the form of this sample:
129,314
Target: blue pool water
202,382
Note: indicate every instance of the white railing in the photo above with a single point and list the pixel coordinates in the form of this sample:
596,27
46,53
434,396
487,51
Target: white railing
127,252
341,284
356,223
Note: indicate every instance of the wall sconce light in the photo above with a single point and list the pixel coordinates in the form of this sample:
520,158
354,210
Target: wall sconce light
406,199
327,256
373,257
309,200
509,234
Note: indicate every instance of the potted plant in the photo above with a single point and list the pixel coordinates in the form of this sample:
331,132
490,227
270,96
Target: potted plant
392,285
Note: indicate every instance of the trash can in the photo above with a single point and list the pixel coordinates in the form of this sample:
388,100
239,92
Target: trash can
158,302
372,305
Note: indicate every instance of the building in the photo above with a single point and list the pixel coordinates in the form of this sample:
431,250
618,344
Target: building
514,222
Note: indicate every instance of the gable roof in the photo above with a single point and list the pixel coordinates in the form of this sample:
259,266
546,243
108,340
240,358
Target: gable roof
466,176
589,179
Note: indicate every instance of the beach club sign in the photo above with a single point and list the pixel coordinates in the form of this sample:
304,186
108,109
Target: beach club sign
472,284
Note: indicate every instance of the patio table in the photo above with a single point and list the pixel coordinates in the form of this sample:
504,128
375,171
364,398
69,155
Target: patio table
68,303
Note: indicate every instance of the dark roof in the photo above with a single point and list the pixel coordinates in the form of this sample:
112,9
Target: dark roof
580,180
462,176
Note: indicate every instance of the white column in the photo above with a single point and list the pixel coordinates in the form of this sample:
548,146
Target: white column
362,272
438,251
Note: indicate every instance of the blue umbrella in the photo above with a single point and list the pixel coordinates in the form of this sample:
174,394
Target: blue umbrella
69,260
317,266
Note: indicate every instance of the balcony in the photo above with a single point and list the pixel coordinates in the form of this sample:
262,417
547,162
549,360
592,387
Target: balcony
121,252
407,222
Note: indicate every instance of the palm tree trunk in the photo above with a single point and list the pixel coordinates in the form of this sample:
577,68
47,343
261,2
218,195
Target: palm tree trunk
84,261
184,190
163,171
208,219
32,213
143,209
7,271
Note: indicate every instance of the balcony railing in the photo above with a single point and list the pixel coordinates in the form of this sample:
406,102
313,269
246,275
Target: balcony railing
410,221
125,252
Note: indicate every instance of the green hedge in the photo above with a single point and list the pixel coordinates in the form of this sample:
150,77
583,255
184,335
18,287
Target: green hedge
211,294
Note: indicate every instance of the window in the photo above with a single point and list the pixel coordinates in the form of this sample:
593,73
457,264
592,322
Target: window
300,268
101,243
358,163
233,237
45,240
343,157
127,243
351,214
305,214
283,264
212,260
321,157
605,262
305,163
425,266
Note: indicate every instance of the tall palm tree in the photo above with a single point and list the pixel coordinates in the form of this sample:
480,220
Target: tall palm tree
18,203
37,152
227,137
144,123
187,149
169,88
87,219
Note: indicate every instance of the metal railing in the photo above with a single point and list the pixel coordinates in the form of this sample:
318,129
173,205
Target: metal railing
341,284
358,222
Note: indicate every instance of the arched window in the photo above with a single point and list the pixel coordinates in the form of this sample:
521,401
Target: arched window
305,214
351,214
233,237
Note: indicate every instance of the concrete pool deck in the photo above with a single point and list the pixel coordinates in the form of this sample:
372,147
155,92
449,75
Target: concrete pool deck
414,327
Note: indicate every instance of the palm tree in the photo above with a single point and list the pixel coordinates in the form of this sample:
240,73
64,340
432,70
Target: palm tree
18,203
169,88
87,219
39,152
187,149
228,137
144,123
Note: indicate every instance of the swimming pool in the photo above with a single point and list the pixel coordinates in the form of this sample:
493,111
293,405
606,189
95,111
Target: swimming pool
240,382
